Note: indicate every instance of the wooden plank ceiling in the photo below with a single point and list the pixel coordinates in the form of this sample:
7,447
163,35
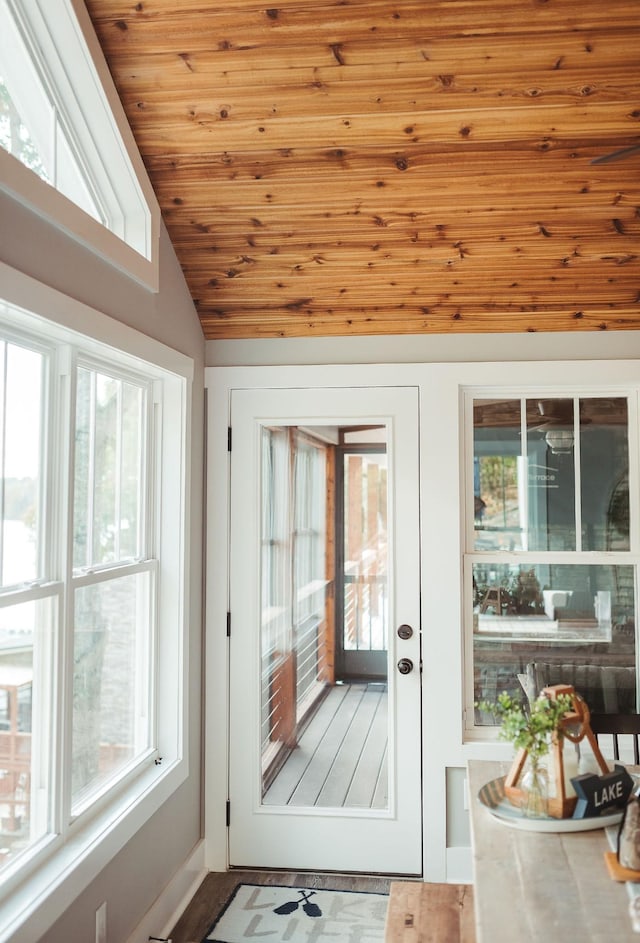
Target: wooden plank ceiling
390,166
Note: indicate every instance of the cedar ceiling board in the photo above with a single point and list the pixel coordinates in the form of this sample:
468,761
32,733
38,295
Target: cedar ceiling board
372,168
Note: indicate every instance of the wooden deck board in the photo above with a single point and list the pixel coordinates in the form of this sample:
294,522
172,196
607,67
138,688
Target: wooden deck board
308,790
285,783
344,767
364,785
341,758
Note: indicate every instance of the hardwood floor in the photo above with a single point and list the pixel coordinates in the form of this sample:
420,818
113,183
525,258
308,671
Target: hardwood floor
341,758
215,890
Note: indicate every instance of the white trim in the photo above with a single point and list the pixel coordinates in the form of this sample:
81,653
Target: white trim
44,896
51,884
441,385
459,865
28,293
162,917
63,35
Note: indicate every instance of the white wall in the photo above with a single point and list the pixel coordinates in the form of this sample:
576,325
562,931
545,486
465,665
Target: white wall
553,359
428,348
133,880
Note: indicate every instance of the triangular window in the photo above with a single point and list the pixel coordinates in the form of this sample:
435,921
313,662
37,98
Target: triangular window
61,122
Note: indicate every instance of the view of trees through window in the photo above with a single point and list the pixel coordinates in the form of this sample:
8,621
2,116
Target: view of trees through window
15,136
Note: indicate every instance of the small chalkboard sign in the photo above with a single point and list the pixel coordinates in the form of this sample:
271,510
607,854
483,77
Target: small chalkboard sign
598,794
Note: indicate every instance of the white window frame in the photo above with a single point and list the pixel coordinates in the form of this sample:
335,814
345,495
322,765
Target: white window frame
630,557
56,874
61,36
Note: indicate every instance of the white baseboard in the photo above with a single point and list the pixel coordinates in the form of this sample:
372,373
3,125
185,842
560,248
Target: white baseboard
459,866
169,907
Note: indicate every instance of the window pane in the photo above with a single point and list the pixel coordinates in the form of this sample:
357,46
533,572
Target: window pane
552,623
21,379
14,134
109,457
32,124
26,671
551,495
528,490
604,471
110,682
497,475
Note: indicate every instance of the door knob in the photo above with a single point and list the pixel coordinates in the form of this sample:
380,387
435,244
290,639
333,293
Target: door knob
405,666
405,631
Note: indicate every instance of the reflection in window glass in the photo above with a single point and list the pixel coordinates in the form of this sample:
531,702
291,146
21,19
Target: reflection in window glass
551,478
604,473
497,475
542,624
526,485
551,484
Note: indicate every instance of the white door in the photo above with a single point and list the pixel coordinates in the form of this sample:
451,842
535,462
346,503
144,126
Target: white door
324,771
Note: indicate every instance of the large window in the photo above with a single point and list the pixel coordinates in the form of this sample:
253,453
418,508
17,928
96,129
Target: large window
550,563
90,637
65,147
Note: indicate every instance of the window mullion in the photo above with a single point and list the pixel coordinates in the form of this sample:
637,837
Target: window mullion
117,490
577,472
3,427
63,455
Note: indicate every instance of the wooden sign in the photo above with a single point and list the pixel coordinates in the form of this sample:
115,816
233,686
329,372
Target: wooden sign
598,794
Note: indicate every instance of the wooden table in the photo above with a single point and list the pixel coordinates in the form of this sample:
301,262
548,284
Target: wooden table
542,887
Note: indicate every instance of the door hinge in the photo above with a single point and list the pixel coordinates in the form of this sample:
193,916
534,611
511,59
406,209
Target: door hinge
228,813
228,625
228,438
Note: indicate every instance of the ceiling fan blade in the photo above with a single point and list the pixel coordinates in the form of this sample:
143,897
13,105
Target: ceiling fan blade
617,155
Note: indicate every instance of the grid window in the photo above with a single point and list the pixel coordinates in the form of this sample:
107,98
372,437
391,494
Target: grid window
550,566
86,496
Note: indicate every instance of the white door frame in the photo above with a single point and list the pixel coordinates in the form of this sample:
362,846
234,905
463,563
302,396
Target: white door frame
441,463
304,838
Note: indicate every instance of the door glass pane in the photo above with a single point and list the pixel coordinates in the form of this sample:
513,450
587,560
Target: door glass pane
364,564
324,735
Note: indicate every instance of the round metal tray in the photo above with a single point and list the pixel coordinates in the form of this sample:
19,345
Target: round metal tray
492,796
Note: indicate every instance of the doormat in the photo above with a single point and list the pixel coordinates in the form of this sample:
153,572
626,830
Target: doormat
300,915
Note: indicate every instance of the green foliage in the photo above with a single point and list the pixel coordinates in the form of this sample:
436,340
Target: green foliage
529,729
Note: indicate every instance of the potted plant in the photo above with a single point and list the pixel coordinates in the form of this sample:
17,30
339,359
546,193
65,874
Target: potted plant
531,730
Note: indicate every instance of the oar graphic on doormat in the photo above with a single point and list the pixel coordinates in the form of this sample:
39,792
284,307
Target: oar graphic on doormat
311,910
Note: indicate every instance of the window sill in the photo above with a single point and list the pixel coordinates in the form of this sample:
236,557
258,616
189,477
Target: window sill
42,897
25,187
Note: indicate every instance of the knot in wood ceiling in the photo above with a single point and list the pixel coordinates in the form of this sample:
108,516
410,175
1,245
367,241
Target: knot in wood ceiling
371,167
